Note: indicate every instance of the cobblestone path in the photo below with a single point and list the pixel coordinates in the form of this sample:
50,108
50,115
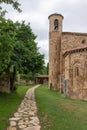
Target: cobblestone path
26,116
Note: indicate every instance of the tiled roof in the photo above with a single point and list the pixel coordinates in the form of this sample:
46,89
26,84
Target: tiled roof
42,76
74,33
55,14
81,47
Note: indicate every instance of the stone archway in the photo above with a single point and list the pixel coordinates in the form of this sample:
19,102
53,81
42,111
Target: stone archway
78,79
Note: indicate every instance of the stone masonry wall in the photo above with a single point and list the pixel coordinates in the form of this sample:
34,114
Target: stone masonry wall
67,60
54,51
73,41
4,83
76,72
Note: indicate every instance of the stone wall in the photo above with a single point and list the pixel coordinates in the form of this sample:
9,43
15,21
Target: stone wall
76,73
4,83
73,40
67,60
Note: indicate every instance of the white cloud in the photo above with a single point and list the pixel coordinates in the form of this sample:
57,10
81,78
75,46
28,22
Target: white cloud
44,48
36,12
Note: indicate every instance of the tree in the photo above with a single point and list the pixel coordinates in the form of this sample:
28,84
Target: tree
19,51
47,68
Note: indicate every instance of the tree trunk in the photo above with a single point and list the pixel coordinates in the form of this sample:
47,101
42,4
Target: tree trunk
12,79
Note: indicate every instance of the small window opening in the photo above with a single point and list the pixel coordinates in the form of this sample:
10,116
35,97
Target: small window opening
83,41
77,71
55,24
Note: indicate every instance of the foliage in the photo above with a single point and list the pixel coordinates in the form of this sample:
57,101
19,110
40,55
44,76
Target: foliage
57,112
11,101
44,70
26,54
18,49
47,68
14,4
5,43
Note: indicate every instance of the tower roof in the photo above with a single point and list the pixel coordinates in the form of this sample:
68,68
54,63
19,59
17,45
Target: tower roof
56,15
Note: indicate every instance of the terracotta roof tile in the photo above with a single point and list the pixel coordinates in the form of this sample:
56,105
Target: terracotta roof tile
76,49
42,76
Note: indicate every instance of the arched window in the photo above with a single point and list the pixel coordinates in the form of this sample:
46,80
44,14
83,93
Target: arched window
55,24
77,71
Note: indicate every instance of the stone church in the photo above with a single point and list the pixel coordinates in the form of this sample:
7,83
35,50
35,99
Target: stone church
67,60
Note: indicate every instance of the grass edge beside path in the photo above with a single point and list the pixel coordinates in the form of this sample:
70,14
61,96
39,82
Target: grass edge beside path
57,112
9,104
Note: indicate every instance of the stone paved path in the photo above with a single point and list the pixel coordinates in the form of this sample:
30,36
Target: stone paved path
26,116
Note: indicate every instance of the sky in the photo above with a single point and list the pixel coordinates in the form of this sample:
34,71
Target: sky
36,13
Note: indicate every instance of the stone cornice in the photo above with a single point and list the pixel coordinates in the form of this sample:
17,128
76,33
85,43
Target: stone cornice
75,50
74,33
56,15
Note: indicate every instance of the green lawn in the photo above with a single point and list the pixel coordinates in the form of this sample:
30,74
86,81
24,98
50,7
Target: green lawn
9,104
57,112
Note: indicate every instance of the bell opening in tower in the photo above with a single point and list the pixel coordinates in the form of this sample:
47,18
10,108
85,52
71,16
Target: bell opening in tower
55,24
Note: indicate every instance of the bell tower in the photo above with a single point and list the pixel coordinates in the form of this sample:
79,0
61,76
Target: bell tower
55,34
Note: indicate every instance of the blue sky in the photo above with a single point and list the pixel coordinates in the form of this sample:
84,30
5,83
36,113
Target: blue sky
37,11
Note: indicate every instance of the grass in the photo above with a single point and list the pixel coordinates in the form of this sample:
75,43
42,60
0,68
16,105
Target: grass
9,104
57,112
